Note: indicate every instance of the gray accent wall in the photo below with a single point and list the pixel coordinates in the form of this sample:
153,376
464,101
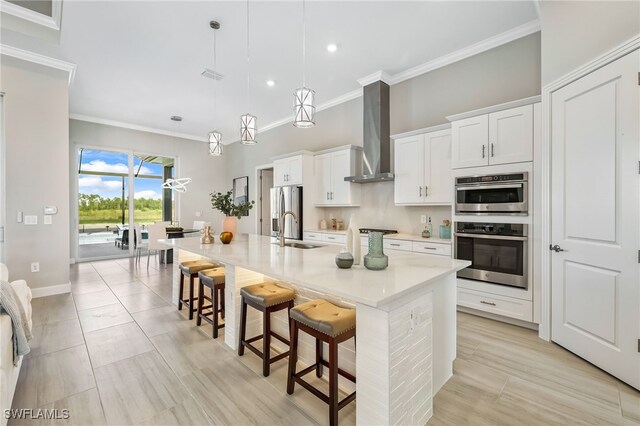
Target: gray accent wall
575,32
192,160
506,73
37,170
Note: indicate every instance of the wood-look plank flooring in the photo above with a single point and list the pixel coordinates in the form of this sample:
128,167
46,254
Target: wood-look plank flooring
116,351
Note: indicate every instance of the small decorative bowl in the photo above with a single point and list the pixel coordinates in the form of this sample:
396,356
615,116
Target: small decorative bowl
226,237
344,260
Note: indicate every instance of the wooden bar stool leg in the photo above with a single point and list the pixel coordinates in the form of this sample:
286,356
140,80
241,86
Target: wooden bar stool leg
191,298
214,292
333,383
222,302
181,291
243,326
318,358
200,297
293,355
266,340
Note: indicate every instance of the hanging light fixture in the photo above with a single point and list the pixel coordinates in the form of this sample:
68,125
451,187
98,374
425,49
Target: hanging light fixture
304,99
215,137
248,122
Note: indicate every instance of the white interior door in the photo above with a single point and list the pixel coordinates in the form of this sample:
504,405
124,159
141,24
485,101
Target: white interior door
595,218
266,183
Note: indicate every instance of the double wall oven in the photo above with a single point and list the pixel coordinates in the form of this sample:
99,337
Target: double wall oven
498,252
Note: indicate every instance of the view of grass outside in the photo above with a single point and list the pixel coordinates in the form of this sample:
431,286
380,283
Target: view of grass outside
96,212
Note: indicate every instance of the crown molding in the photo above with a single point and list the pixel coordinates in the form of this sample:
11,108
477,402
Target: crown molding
474,49
37,58
130,126
52,22
376,76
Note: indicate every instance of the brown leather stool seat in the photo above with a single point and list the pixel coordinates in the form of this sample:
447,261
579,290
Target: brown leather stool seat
266,297
191,269
327,323
213,279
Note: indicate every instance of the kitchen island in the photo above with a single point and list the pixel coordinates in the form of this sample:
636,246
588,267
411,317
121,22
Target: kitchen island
406,315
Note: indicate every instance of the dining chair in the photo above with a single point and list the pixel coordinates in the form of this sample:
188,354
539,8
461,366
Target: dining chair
157,231
140,243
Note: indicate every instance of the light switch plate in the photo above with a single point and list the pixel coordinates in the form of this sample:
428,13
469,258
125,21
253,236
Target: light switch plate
423,218
30,220
48,219
19,217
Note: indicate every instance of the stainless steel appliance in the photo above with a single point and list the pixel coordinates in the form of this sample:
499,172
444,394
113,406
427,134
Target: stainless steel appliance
287,198
493,194
497,252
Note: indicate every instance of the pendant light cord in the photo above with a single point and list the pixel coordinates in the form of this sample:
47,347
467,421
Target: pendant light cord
304,45
215,81
248,62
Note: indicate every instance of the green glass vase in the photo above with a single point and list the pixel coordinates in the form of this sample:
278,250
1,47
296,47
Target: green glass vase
375,260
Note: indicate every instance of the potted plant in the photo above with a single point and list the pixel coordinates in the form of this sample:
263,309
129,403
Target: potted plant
224,204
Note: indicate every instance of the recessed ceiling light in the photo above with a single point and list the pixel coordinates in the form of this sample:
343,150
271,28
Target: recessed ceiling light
176,118
332,47
271,83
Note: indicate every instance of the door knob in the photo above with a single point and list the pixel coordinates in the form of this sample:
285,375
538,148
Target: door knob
556,248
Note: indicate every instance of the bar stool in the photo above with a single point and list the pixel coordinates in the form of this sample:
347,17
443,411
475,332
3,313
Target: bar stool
214,280
327,323
190,269
267,297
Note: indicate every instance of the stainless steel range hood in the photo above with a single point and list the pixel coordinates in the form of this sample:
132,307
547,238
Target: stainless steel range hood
376,162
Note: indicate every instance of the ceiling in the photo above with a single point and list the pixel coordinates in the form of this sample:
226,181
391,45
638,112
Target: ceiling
140,62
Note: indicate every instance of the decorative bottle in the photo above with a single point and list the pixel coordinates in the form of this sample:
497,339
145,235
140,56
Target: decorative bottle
430,227
353,240
376,260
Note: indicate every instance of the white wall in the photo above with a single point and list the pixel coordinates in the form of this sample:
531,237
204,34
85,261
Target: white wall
37,170
506,73
192,160
575,32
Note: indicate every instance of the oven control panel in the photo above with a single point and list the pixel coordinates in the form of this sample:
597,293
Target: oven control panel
515,229
513,177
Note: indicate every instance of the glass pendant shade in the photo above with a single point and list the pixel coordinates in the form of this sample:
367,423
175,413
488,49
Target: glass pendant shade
248,129
304,107
215,143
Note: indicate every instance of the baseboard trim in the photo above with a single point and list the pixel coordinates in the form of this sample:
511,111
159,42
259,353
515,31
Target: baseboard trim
500,318
51,290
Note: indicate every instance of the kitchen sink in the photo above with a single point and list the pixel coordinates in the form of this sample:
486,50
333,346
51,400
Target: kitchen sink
303,246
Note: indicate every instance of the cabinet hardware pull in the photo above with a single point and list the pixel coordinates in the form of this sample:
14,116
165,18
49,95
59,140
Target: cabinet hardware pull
395,245
332,195
488,303
426,188
420,191
331,238
492,153
430,248
327,195
482,150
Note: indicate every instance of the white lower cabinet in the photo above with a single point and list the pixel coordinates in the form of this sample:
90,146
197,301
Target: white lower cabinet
397,244
334,238
495,304
312,236
431,248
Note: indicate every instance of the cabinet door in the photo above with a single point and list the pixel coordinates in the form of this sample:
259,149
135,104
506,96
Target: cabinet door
409,170
511,135
470,139
340,168
280,172
294,176
323,179
438,179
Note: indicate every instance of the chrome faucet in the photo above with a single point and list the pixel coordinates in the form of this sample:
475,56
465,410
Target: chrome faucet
281,226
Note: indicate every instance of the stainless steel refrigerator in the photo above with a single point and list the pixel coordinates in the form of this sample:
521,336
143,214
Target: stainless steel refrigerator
287,198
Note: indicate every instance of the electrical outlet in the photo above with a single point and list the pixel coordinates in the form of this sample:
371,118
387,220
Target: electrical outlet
198,214
35,266
423,218
48,220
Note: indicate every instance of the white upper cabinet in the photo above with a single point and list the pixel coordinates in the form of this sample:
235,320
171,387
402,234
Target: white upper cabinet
511,135
500,137
287,171
423,169
330,170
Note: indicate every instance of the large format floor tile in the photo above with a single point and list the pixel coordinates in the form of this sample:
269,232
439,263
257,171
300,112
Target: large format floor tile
103,317
54,336
162,320
53,308
142,302
135,389
116,343
95,299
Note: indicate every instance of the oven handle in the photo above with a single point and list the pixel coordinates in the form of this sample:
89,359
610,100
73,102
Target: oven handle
491,237
505,186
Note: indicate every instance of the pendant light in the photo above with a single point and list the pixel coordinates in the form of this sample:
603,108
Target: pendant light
215,137
304,99
248,122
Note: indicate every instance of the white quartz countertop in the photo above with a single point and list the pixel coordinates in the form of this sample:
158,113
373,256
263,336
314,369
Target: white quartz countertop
399,236
316,270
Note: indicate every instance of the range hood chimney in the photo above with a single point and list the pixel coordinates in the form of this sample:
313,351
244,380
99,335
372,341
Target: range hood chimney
376,163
